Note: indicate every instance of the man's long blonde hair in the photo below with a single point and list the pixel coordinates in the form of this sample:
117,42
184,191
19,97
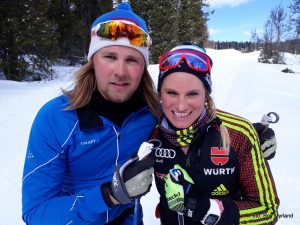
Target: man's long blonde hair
85,84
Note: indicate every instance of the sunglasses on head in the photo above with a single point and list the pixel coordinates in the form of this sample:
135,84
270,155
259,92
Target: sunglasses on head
195,60
115,29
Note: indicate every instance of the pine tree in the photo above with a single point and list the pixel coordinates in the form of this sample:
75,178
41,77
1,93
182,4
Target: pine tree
169,28
159,16
270,52
192,22
74,19
27,38
11,65
70,29
90,11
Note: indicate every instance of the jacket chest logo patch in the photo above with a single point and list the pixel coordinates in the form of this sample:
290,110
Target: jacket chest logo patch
160,176
89,142
220,190
165,153
219,171
219,156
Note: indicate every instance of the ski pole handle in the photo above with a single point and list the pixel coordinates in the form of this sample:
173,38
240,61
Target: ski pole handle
144,150
268,118
271,117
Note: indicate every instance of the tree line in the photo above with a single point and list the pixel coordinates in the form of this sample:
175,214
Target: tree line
35,35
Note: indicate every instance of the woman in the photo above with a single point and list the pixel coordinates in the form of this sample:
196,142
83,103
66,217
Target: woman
208,165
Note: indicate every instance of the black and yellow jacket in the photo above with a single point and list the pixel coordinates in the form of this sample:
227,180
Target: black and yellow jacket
240,178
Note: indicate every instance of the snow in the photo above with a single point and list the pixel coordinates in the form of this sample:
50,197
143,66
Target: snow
241,86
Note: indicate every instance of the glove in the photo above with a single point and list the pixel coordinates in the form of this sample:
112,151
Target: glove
133,179
182,196
268,143
177,184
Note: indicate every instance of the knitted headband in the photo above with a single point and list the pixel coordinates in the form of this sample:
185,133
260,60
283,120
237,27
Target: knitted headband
122,13
183,67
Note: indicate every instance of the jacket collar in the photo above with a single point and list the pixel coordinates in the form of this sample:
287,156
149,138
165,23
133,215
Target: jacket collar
88,119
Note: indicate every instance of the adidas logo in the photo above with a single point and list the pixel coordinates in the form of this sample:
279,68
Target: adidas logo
220,190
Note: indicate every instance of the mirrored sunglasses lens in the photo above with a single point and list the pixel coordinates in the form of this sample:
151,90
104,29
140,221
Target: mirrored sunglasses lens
170,60
197,62
138,41
113,30
109,30
194,60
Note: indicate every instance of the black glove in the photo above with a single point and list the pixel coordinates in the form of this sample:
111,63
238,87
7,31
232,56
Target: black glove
133,179
268,143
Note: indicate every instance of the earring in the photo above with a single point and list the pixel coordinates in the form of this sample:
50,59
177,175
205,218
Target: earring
206,104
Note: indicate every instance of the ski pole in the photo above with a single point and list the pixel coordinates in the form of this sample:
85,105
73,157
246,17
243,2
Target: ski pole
175,173
144,150
271,117
136,211
268,140
180,218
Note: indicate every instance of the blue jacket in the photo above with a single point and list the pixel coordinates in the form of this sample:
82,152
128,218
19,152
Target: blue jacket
70,154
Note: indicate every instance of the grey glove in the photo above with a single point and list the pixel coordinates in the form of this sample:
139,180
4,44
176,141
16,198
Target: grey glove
132,179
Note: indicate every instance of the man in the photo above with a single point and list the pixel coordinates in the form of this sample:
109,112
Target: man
79,140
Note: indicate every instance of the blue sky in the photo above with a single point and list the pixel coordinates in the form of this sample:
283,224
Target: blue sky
233,20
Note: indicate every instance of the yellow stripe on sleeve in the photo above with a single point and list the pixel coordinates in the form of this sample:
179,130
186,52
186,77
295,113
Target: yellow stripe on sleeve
267,198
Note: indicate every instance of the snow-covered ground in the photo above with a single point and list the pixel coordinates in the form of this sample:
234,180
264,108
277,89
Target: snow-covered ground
241,85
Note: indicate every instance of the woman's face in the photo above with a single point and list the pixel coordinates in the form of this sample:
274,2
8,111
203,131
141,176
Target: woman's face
183,98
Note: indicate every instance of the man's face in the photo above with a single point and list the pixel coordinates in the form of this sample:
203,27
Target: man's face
118,71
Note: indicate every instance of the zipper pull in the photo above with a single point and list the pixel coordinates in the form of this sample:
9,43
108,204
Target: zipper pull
188,161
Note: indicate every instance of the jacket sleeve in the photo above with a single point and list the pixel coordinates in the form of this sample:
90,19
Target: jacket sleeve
259,203
43,198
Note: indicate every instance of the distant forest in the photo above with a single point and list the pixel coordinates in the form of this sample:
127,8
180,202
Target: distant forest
290,46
